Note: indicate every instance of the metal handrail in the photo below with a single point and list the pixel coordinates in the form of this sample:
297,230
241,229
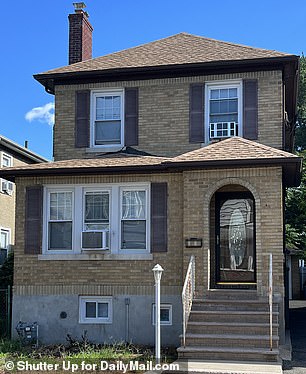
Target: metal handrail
271,300
188,294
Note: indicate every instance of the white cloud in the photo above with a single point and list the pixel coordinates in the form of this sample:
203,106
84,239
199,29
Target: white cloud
43,114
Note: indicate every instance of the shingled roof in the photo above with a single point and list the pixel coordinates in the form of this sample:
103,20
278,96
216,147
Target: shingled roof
234,148
232,152
179,49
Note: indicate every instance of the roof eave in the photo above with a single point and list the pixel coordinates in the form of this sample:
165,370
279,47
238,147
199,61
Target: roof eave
49,80
291,168
21,150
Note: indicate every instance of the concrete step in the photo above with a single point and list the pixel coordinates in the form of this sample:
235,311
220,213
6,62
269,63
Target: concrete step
231,316
230,304
231,294
231,328
230,354
230,340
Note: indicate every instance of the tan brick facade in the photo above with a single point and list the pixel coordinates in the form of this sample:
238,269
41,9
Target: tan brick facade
164,113
190,194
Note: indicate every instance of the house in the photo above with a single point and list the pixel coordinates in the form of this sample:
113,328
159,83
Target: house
11,155
173,151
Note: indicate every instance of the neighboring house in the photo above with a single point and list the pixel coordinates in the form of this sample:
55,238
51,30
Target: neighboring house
174,148
11,155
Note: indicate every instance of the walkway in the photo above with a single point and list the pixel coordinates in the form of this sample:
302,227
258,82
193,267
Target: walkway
298,338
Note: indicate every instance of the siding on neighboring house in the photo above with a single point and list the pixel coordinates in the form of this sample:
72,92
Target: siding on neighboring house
163,121
7,202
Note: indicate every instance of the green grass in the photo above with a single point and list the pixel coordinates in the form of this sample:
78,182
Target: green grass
78,351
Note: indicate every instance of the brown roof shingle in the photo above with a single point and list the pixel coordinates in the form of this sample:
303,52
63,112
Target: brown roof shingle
182,48
234,148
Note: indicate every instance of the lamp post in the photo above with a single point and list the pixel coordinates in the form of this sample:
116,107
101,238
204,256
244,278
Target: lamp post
157,271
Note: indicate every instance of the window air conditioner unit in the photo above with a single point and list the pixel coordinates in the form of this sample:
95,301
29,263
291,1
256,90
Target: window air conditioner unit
219,130
94,240
7,187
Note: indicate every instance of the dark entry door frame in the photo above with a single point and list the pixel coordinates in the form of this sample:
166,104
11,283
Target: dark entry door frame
235,238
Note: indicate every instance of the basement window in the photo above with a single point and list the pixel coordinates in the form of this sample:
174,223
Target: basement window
165,314
95,309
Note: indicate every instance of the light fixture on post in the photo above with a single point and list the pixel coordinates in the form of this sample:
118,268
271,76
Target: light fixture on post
157,271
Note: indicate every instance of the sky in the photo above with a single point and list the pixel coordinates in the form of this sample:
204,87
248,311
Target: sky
34,38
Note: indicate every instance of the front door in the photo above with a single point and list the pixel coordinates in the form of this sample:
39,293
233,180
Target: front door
235,240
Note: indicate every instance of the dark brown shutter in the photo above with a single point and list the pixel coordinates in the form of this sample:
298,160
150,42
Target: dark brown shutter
159,234
33,220
196,113
82,118
131,117
250,109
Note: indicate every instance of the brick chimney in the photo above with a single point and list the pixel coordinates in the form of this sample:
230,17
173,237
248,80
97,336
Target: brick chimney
80,35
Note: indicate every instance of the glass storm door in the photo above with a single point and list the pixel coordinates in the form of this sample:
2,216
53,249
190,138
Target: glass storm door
235,238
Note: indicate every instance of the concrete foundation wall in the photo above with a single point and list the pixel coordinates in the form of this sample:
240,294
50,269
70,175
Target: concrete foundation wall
46,310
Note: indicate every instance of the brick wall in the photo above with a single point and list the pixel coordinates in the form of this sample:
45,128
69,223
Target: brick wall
190,194
164,113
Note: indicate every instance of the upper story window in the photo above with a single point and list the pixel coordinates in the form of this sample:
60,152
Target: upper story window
107,127
223,117
6,162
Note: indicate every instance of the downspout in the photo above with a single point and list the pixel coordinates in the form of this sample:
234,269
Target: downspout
286,269
127,319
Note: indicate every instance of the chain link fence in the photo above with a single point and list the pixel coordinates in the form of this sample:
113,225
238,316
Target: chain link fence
5,312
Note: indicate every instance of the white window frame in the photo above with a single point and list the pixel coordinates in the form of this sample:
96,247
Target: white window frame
10,158
220,85
78,196
47,194
6,190
163,306
7,231
94,95
98,190
97,299
147,218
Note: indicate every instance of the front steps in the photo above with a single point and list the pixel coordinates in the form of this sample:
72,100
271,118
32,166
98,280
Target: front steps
231,325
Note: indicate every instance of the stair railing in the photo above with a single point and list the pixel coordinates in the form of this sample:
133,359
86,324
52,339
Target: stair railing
188,294
271,300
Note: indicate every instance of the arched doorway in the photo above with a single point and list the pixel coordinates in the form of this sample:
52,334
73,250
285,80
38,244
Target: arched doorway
233,262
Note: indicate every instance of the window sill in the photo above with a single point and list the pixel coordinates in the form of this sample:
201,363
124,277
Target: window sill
105,149
95,257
